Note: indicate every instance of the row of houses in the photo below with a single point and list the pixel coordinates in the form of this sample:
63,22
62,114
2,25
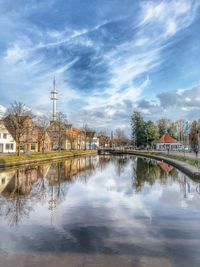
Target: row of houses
34,138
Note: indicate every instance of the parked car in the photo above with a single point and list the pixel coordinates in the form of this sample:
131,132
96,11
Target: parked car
56,147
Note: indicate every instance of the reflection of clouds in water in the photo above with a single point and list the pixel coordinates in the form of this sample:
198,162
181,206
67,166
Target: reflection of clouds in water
110,190
97,215
110,184
109,194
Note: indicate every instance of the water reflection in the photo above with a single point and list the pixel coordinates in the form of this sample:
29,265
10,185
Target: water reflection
149,171
99,211
46,183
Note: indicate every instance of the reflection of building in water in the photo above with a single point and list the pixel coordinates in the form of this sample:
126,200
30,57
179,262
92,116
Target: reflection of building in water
16,191
21,182
61,175
5,178
65,171
166,167
22,188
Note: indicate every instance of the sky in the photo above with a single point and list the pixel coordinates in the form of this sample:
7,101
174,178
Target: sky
109,58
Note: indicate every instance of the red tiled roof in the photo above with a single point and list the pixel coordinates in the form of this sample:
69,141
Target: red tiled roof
167,138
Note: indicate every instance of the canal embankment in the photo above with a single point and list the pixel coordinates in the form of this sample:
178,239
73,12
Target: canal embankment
13,160
185,164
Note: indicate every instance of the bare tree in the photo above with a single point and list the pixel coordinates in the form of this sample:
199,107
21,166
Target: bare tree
70,136
62,122
57,130
120,138
18,121
84,129
42,123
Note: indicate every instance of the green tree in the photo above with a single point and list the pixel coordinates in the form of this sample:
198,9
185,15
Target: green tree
171,129
195,136
151,132
138,129
162,126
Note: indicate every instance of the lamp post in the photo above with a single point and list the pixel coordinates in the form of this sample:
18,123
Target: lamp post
147,139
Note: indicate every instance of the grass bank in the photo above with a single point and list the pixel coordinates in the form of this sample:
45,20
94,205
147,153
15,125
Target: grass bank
188,160
9,159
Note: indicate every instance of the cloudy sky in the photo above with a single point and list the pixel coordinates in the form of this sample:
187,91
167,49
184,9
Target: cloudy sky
109,57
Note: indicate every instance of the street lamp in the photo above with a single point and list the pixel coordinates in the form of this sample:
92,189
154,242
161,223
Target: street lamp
147,139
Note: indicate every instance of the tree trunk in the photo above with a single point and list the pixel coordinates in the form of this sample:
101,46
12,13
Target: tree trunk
18,148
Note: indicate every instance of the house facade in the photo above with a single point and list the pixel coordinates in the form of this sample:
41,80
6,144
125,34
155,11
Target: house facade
31,138
57,134
167,142
7,142
68,137
95,142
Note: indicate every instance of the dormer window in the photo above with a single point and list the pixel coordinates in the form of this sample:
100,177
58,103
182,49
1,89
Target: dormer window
5,136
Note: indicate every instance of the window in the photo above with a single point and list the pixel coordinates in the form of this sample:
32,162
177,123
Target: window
22,147
9,146
32,146
5,136
3,180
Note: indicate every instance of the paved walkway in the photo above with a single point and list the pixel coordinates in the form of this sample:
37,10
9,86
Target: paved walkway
187,154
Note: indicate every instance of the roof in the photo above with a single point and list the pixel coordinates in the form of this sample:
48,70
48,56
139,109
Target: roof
167,138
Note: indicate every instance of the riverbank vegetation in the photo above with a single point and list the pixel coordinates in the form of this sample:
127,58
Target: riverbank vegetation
182,158
188,160
147,133
39,156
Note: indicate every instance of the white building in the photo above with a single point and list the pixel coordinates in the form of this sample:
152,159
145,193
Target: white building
95,142
7,143
167,142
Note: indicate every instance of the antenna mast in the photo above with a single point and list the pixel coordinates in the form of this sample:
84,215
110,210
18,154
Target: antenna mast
54,99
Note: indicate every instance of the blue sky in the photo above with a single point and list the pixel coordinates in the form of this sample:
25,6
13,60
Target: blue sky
109,57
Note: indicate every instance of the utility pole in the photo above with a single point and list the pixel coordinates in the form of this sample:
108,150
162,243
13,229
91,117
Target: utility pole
54,99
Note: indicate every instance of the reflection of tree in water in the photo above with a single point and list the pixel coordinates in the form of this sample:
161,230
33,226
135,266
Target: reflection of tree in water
149,171
103,161
42,184
87,171
17,206
121,163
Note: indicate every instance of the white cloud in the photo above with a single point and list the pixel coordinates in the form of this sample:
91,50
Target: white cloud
171,28
15,53
168,17
2,111
27,72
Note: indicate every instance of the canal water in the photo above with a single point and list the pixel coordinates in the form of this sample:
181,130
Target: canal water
99,211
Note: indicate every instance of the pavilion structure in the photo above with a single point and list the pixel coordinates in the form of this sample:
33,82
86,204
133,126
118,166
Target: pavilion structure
167,142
